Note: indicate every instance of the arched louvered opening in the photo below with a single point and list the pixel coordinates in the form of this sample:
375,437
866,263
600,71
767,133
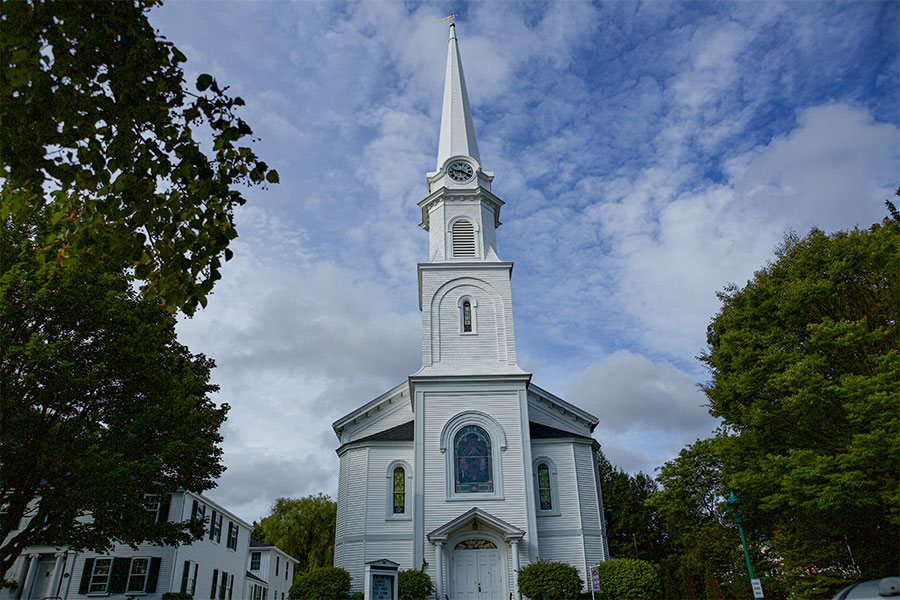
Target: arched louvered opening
463,238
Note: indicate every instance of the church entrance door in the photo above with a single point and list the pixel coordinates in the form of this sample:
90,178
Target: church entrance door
478,571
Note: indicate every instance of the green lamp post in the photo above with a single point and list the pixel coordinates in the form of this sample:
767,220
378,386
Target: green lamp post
736,508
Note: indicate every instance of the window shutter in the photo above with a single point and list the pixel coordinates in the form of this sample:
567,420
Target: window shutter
219,529
231,587
86,576
163,515
194,510
237,530
212,526
463,238
184,576
212,592
118,580
152,575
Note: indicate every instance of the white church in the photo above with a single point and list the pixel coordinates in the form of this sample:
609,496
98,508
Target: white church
467,467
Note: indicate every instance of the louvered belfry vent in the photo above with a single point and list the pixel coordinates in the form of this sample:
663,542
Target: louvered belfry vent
463,238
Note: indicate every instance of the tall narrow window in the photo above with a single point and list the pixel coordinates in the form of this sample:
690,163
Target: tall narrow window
463,238
467,316
544,487
472,450
399,491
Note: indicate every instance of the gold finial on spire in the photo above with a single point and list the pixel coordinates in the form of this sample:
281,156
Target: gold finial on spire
450,18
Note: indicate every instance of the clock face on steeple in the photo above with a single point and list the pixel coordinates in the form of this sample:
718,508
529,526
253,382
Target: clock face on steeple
460,171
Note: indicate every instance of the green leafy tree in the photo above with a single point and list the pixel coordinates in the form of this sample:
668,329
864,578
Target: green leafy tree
629,579
805,365
550,581
302,527
100,129
633,526
322,583
100,405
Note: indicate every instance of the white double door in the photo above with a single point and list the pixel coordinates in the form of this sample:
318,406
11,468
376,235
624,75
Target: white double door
478,574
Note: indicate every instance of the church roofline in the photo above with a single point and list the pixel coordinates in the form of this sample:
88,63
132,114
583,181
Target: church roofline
564,406
449,195
368,408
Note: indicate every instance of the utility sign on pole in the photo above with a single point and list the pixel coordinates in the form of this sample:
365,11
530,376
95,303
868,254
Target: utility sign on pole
595,580
757,588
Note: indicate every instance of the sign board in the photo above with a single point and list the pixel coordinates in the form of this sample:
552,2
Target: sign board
382,587
595,580
757,588
381,580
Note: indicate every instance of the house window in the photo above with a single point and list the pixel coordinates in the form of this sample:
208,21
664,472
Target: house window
189,577
151,505
546,501
546,487
137,576
399,485
254,560
232,535
198,511
472,449
215,527
467,306
398,491
100,575
473,443
463,236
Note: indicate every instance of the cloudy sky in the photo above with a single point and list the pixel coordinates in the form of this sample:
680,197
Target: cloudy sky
648,153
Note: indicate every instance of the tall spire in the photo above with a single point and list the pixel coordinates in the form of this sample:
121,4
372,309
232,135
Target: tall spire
457,130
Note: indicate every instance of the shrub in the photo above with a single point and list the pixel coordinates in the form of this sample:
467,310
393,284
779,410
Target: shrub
356,596
177,596
629,579
414,585
325,583
550,581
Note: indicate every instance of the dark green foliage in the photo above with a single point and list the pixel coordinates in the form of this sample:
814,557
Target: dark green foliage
550,581
324,583
100,128
633,528
100,404
356,596
805,364
629,579
414,585
302,527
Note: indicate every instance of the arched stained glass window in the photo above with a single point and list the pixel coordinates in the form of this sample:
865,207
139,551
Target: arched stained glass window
544,487
399,486
467,317
472,452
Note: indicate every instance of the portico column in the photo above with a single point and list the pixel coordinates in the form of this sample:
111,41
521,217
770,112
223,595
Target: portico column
439,557
58,569
514,547
29,577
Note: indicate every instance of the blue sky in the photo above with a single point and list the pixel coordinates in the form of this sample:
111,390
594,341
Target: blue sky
648,154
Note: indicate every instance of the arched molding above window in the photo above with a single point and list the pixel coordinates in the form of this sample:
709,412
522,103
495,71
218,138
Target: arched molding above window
390,513
541,485
468,315
497,446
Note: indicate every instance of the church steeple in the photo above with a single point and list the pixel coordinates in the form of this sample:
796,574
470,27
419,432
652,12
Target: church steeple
460,213
457,130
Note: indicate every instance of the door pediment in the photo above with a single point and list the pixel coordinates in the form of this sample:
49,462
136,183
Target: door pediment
475,518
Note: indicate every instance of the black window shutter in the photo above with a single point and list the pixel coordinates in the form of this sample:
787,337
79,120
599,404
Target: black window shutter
163,515
212,592
118,581
153,575
212,526
184,576
86,576
194,510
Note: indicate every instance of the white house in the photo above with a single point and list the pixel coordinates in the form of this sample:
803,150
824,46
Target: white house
467,467
214,567
270,572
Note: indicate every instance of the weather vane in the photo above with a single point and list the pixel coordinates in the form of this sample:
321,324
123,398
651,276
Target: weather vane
450,18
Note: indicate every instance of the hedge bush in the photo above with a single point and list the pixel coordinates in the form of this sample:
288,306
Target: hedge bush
356,596
325,583
629,579
550,581
414,585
